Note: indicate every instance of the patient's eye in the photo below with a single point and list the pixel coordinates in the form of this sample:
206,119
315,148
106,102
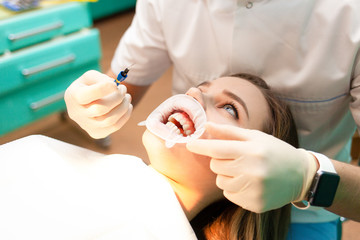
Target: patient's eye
232,110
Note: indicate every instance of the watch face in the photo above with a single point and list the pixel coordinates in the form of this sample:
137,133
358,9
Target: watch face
325,189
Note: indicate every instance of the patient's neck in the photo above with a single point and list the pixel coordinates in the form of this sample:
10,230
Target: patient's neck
192,200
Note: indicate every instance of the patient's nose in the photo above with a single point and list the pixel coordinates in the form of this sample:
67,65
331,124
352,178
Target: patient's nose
197,95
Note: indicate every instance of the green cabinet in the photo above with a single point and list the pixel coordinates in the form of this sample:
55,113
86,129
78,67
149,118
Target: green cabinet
103,8
35,76
33,27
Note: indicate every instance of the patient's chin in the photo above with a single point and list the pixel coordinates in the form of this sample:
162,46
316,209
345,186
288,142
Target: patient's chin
168,161
156,148
151,141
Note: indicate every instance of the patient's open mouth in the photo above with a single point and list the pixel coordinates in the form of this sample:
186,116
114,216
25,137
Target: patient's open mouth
180,123
178,119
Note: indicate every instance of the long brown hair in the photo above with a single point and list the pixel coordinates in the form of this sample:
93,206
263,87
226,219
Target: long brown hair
226,220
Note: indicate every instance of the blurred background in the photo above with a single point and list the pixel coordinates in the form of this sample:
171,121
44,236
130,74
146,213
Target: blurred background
103,24
110,21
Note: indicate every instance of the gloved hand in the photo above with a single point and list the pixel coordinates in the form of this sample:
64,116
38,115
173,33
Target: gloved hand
95,103
255,170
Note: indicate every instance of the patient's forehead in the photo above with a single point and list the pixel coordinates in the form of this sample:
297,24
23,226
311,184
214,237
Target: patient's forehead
230,81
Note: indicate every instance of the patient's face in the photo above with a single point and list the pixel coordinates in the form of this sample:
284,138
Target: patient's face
232,101
228,100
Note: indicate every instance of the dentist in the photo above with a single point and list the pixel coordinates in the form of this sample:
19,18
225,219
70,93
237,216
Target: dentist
307,51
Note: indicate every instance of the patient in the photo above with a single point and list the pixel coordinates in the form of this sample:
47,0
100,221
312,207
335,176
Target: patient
54,190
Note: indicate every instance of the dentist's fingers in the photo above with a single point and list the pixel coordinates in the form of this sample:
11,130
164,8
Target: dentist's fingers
248,200
245,190
107,103
115,114
228,132
214,148
86,94
242,166
92,76
97,105
100,132
109,118
125,117
230,167
83,91
231,183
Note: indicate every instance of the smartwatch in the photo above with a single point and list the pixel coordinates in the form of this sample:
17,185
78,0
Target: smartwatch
323,188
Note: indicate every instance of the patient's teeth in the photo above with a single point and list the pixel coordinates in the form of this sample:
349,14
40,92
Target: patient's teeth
182,123
188,132
173,127
186,127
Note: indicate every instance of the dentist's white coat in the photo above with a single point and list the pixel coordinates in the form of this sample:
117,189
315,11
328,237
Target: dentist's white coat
306,50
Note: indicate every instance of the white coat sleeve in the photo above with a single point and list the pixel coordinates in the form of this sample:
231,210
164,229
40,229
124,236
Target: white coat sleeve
355,93
144,45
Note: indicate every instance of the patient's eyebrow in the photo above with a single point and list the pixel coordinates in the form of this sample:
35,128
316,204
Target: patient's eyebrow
238,99
204,84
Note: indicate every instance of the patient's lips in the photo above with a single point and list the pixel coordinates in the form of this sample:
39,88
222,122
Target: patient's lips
180,123
178,119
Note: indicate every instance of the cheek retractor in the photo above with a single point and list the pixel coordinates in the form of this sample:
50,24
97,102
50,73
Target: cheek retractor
179,119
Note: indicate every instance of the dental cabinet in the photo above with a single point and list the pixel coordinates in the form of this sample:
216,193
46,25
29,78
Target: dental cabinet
42,52
104,8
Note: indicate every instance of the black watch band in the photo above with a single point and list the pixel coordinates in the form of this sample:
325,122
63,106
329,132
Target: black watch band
324,185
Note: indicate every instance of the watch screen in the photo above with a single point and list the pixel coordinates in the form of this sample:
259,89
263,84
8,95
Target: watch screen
326,189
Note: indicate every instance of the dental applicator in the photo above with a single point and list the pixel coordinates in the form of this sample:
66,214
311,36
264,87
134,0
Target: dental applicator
122,75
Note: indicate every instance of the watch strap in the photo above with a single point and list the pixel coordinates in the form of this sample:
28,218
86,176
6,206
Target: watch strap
325,163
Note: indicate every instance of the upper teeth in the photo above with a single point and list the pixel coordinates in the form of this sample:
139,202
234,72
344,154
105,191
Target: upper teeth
182,120
173,127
